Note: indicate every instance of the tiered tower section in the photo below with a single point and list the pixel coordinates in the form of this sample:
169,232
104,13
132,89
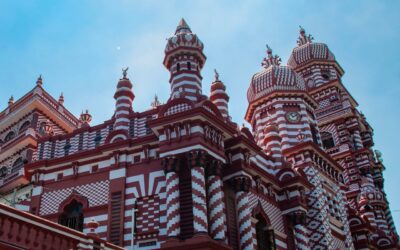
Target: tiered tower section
219,96
184,59
347,137
277,98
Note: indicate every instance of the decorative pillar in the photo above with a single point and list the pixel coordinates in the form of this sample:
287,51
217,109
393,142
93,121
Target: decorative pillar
196,160
216,205
300,231
171,168
357,139
246,230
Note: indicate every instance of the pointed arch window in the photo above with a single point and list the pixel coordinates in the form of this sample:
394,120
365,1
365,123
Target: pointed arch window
17,165
72,216
265,236
327,140
24,126
9,136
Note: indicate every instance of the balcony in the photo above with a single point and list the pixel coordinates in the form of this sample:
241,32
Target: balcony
13,180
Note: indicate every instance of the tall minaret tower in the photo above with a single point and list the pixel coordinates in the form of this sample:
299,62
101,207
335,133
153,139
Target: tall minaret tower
184,59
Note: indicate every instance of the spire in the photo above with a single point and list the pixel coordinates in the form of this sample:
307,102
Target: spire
39,81
304,38
219,96
11,101
182,27
61,99
155,103
216,76
270,59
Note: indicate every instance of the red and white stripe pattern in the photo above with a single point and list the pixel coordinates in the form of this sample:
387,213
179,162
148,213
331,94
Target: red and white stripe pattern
216,206
123,106
173,215
246,230
272,142
200,223
219,96
301,237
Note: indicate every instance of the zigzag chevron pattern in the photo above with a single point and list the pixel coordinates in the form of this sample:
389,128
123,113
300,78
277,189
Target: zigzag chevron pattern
199,200
173,215
216,208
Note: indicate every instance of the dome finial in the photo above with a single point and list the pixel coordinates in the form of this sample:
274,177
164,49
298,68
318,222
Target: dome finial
216,75
155,103
39,81
61,99
125,73
182,27
270,59
304,38
11,101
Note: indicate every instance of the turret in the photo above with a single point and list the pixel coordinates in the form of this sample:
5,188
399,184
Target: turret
314,61
219,96
184,59
277,95
123,105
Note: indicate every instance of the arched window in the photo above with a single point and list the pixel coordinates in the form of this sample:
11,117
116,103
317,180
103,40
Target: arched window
189,66
72,216
178,67
24,126
327,140
9,136
265,236
17,165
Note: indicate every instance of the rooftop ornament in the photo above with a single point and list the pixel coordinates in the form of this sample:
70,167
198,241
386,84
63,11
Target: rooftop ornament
271,59
304,38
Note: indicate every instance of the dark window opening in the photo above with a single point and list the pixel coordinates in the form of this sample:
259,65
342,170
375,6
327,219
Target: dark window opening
17,165
265,236
72,216
24,126
327,140
189,66
178,67
9,136
314,135
325,74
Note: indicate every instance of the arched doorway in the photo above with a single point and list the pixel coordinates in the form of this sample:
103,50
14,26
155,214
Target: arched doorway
72,216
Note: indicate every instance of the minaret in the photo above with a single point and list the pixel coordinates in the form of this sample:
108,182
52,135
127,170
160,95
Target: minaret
123,105
184,59
219,96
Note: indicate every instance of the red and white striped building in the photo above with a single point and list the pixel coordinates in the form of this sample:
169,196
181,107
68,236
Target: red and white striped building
183,175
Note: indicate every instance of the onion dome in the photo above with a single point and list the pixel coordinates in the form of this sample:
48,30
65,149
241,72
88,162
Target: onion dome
183,39
219,96
273,78
307,51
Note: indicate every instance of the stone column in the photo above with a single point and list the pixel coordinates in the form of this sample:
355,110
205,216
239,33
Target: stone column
171,168
300,231
216,205
246,230
196,160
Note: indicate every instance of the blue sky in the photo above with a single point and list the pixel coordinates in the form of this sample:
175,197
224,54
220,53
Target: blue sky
81,46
